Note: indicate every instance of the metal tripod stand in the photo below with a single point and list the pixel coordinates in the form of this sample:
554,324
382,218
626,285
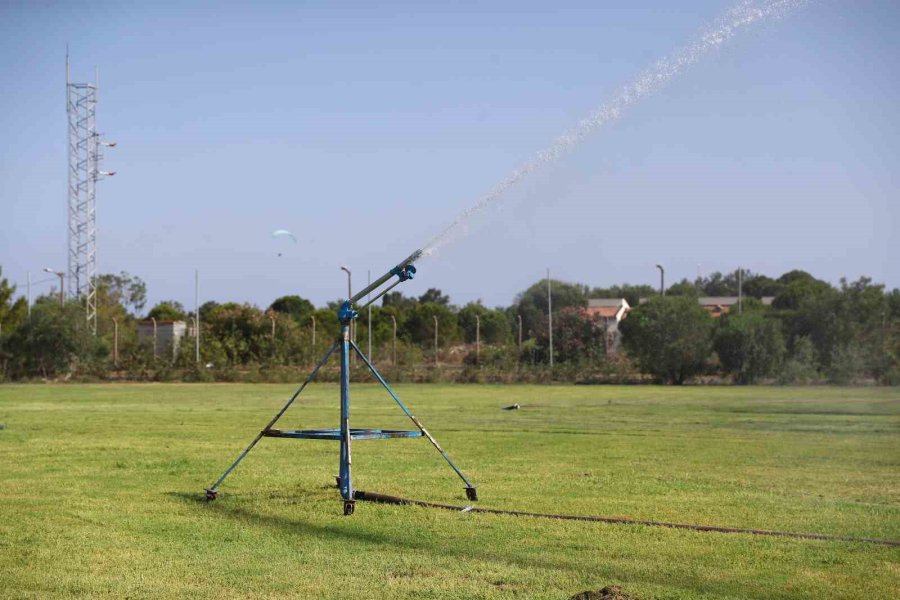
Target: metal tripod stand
345,433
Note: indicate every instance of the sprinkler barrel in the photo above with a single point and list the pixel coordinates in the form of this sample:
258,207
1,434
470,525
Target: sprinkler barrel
404,271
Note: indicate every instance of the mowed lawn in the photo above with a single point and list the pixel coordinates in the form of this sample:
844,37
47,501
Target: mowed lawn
100,489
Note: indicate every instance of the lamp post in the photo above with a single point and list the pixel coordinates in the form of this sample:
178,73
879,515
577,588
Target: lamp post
662,280
349,282
60,275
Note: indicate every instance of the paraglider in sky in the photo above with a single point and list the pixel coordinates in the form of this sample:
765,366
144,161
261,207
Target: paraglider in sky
283,233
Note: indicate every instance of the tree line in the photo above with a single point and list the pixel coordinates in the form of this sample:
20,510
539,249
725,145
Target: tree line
811,332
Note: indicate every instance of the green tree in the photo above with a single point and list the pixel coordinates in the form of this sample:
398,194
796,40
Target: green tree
434,296
495,326
683,288
532,303
631,293
398,301
123,289
56,341
670,337
168,310
418,327
240,332
578,338
750,346
12,310
295,306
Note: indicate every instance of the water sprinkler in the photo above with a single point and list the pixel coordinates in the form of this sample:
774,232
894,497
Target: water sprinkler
347,313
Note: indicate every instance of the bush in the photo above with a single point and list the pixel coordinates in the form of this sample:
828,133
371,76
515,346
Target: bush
800,368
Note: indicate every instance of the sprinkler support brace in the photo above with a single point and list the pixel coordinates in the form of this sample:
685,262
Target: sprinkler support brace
344,434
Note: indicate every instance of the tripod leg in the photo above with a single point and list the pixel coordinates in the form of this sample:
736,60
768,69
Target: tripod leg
471,492
213,491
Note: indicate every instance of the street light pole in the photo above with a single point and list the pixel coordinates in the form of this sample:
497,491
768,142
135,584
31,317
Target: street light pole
349,282
60,275
662,280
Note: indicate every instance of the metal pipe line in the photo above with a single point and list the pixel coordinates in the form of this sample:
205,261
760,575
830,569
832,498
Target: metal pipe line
385,499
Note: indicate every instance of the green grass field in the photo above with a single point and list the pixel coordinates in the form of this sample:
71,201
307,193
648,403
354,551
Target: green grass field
100,489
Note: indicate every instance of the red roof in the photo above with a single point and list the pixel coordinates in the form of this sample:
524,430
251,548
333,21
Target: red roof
604,311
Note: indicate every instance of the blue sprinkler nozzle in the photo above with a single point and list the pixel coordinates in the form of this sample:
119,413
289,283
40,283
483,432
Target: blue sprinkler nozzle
346,313
405,272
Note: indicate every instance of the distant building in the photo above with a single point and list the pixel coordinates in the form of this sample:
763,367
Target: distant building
717,306
611,312
168,335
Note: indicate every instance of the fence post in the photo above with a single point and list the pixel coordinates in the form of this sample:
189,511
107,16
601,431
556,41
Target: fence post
313,317
394,342
435,340
115,342
154,338
519,355
477,339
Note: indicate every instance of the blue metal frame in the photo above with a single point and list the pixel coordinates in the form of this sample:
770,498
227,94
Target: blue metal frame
335,434
345,482
213,491
470,489
345,433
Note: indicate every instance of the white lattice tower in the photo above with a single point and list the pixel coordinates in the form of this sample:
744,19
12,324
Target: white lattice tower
84,172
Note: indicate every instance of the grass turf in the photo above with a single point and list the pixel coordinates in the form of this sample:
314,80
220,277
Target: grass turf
100,489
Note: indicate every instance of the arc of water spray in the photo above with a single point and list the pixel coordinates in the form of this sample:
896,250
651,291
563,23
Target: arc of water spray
732,22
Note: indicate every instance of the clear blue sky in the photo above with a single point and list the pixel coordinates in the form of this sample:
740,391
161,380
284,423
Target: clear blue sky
364,129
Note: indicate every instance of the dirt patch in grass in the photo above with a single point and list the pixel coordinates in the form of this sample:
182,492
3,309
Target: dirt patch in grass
610,592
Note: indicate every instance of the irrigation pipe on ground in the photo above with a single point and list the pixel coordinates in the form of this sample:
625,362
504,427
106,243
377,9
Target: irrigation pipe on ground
385,499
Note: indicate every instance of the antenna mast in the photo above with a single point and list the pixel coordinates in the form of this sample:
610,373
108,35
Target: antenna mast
84,171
